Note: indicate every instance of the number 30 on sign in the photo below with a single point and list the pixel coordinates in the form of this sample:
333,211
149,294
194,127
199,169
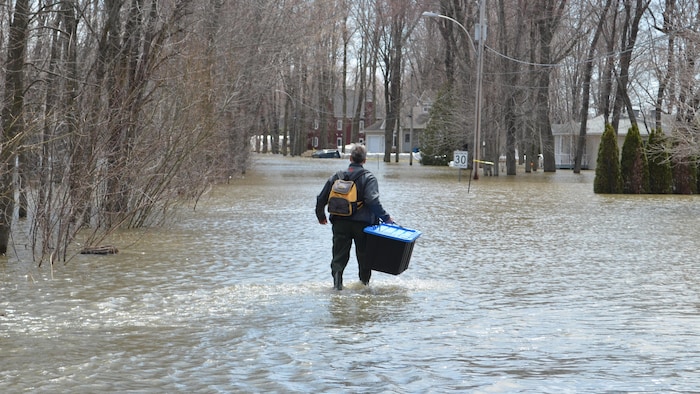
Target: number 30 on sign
461,159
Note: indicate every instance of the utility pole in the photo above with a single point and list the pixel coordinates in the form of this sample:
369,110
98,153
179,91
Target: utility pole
480,36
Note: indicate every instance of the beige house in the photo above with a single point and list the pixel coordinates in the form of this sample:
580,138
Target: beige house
412,124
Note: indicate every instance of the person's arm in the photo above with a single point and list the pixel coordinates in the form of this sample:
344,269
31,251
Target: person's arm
371,194
322,201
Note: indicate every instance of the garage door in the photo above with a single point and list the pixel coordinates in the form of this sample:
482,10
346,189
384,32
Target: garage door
375,143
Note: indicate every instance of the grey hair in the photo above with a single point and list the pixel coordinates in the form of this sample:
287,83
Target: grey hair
358,154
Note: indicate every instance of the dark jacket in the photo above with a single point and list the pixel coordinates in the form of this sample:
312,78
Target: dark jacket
367,192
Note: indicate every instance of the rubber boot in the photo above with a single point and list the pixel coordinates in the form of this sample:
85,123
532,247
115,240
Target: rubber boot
338,281
364,277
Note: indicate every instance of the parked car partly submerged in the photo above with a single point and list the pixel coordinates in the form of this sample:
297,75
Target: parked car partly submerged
326,154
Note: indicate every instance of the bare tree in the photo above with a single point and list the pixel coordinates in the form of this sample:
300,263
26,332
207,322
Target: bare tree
632,16
667,27
510,41
586,88
685,96
547,17
398,21
12,119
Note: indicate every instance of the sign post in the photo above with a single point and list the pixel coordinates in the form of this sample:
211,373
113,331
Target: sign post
461,160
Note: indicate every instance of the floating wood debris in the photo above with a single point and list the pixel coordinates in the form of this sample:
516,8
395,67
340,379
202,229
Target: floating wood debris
104,249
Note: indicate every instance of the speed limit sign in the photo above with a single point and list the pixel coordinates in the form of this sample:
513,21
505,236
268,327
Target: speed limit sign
461,159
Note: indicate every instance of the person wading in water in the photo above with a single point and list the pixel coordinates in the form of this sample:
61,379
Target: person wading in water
349,218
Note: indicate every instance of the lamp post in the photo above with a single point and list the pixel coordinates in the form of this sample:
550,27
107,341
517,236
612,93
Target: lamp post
481,36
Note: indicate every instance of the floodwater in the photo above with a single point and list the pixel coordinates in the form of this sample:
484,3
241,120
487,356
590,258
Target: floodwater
525,284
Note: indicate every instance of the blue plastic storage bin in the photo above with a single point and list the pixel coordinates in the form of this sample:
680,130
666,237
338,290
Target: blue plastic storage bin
389,247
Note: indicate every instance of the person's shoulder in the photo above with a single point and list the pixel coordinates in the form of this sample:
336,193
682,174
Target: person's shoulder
367,175
334,176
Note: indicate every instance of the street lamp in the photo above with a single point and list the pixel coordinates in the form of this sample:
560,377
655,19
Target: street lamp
481,36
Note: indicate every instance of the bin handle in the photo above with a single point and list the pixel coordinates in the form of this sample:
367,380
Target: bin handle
391,224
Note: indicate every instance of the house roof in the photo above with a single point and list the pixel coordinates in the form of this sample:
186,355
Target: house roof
352,100
596,126
376,126
421,115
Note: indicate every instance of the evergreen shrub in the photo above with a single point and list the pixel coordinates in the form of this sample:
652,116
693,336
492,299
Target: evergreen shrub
660,172
607,171
633,166
440,138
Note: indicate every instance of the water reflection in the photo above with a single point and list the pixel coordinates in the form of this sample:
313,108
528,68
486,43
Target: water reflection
518,284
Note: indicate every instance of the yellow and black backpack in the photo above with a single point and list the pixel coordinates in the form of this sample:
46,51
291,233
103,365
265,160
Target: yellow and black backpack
342,200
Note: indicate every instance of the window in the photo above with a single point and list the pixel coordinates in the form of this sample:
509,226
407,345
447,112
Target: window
407,138
362,125
315,142
339,141
315,124
339,124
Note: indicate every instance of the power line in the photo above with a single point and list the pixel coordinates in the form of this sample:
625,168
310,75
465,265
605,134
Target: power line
643,45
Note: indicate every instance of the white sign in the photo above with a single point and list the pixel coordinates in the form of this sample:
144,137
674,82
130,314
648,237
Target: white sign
461,159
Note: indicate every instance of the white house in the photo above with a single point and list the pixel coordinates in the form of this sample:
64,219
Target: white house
566,137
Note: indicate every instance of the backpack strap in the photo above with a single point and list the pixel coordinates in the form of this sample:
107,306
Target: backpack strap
354,177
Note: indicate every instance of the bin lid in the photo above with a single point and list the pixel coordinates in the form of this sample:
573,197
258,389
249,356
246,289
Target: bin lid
393,231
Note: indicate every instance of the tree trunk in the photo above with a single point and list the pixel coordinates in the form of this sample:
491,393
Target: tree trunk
629,39
607,75
12,116
586,87
361,92
343,116
509,101
669,14
392,83
547,24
